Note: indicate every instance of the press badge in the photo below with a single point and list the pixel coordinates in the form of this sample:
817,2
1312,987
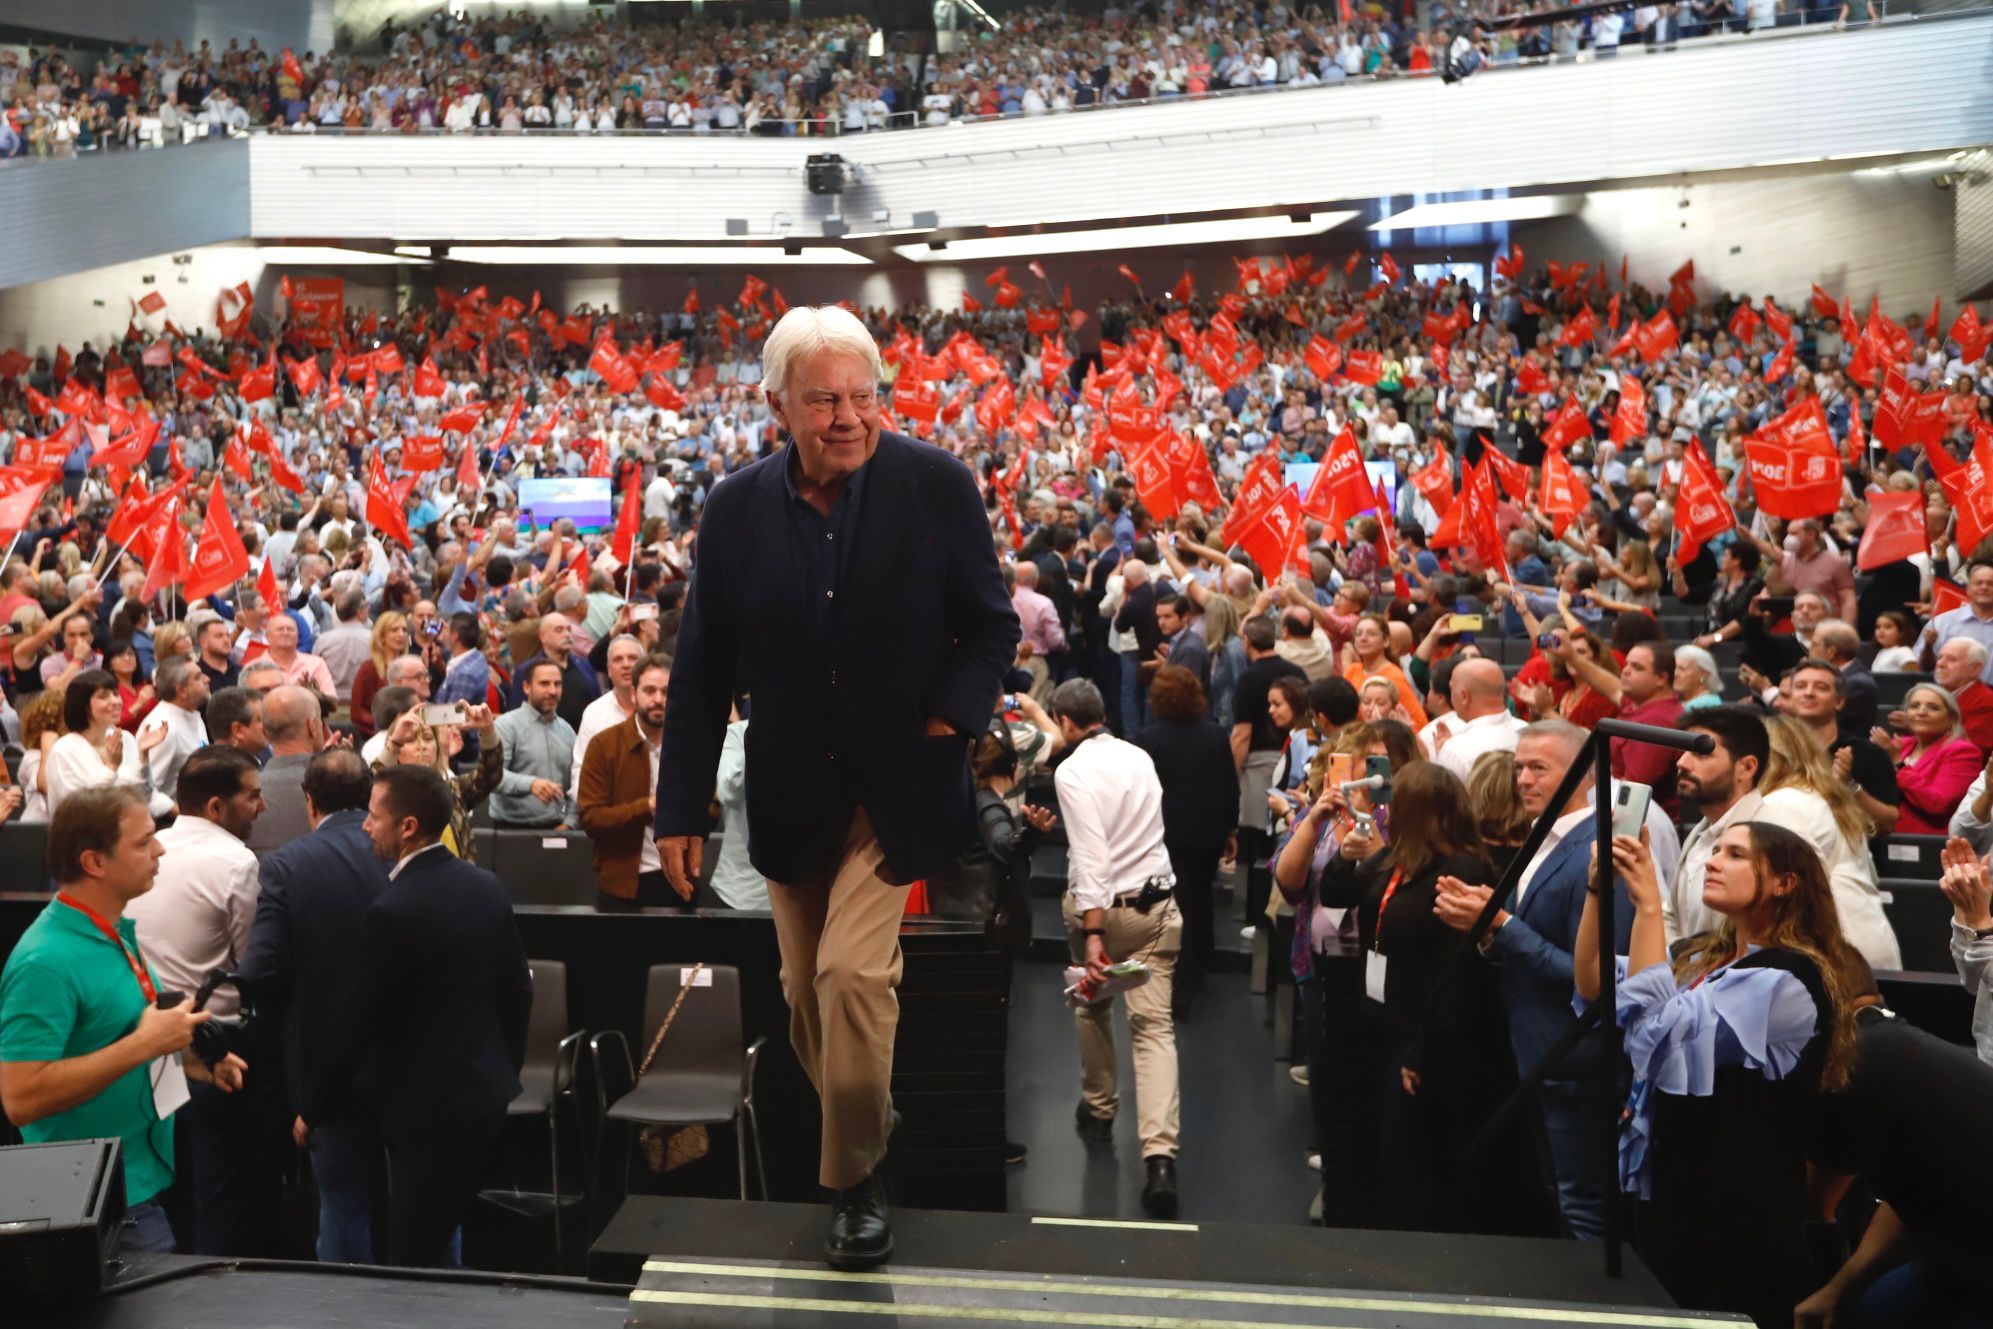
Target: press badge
1373,975
169,1085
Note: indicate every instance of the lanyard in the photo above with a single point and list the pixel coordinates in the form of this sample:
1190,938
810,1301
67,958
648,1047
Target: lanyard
1377,933
111,934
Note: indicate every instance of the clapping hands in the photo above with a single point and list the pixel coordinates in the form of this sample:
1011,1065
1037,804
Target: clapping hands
1967,884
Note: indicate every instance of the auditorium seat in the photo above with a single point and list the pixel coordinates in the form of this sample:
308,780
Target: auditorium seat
24,851
540,867
547,1078
1892,688
1921,916
1912,856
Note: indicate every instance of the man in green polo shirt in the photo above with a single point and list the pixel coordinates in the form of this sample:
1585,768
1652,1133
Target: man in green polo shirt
85,1051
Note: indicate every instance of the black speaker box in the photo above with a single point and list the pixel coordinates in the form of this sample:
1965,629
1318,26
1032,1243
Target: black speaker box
62,1206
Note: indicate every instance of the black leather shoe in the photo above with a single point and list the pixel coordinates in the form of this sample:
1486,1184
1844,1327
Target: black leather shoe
861,1227
1014,1153
1159,1195
1094,1130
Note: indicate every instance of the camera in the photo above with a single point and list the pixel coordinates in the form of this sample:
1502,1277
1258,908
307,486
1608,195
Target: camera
1548,641
210,1044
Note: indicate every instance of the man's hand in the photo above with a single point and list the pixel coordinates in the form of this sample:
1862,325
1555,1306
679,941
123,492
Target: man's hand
1409,1078
1967,884
300,1133
1040,819
1819,1311
681,856
940,728
149,738
1844,763
546,791
161,1032
1751,678
227,1076
1097,959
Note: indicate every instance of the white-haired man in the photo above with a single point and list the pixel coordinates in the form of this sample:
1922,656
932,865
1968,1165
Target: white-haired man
846,583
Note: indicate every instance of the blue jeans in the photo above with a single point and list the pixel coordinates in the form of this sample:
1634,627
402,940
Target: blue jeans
345,1162
1578,1124
1921,1294
147,1230
1134,704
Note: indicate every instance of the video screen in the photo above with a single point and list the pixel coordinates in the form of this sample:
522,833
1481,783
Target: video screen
585,500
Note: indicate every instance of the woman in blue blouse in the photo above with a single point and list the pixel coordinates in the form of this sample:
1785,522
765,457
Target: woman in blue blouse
1730,1040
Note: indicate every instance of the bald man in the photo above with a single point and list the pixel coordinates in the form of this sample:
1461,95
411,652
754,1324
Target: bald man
579,682
1482,722
294,724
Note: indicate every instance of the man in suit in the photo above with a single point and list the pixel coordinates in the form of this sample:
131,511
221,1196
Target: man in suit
1182,640
436,1009
1531,945
848,584
294,724
316,888
1840,646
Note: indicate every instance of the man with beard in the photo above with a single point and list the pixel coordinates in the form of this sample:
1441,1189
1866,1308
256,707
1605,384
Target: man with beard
619,794
1722,785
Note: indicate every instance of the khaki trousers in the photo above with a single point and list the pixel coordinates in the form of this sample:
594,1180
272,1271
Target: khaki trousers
1153,938
840,941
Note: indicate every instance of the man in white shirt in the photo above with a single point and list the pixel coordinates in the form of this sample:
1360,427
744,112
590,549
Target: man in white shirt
195,920
182,687
1723,786
1119,906
1482,722
610,709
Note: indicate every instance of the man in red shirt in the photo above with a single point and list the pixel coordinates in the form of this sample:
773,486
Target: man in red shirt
1644,690
1959,664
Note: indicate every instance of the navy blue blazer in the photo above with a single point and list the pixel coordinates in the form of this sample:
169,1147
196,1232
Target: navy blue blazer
925,630
315,890
437,1005
1532,954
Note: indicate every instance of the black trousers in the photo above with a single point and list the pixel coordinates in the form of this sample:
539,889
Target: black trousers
653,892
432,1178
229,1156
1196,867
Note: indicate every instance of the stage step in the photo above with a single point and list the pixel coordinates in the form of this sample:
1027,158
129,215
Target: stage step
717,1263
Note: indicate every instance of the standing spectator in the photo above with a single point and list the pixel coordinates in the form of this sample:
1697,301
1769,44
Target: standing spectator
389,642
1036,612
195,920
618,798
292,722
235,719
93,750
302,669
467,676
434,1019
1479,698
1935,762
215,638
1723,786
315,890
612,707
83,1041
1119,906
410,742
1972,620
1200,786
349,645
539,751
1368,655
579,683
176,722
1803,794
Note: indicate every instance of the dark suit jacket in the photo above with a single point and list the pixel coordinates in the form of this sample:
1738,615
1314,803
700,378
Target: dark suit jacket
315,891
925,630
1200,785
1138,615
1861,702
1191,653
437,1006
1532,953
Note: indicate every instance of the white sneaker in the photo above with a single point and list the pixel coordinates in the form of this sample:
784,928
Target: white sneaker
1246,934
1314,1162
1299,1074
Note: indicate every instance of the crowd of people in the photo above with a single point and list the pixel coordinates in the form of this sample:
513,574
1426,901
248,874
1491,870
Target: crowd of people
238,555
812,76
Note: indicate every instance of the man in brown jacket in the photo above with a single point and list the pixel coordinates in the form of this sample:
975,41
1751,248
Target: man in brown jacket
619,798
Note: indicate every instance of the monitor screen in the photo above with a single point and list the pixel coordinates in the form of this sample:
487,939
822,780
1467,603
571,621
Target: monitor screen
586,500
1301,474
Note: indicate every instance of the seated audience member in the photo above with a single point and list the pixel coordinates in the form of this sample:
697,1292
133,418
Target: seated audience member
1803,794
1840,646
413,743
134,689
175,729
1894,631
260,676
1422,1082
619,797
1723,786
1731,1041
1960,663
1737,585
1935,761
1368,655
1697,680
82,1046
1970,622
1200,792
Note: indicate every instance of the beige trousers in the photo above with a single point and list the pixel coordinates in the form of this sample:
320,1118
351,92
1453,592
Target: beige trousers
1153,938
840,941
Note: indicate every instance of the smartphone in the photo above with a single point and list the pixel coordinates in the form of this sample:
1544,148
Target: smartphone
1010,701
444,712
1777,606
1463,623
642,613
1381,768
1342,768
1629,808
1546,641
433,628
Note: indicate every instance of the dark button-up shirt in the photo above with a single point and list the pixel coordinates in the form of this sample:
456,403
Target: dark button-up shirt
821,542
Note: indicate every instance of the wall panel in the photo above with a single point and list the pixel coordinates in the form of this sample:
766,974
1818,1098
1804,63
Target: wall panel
275,24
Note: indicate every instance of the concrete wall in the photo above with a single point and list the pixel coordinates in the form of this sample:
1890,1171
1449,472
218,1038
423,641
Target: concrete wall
301,24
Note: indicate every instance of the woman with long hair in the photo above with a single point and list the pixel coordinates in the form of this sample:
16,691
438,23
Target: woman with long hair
1369,656
389,640
411,742
1407,954
1228,656
1498,809
1288,708
1730,1041
135,693
1935,763
41,726
1803,794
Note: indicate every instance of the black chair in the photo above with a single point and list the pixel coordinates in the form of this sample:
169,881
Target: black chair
24,851
1892,688
1921,916
544,867
545,1081
702,1075
1911,856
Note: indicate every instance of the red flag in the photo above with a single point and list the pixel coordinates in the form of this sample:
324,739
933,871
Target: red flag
1946,596
1781,364
219,558
1569,425
1341,487
691,305
1656,337
1933,319
62,363
17,505
1434,481
629,522
1969,487
1895,530
1630,420
152,302
384,510
1970,334
1701,511
614,367
1744,323
462,420
1905,417
1795,468
284,475
428,380
1563,498
1323,357
1682,275
296,72
1856,445
166,557
1148,467
1389,267
1823,303
970,304
1778,321
1185,287
1509,266
422,452
1129,273
267,589
1580,329
1510,473
917,399
1364,367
